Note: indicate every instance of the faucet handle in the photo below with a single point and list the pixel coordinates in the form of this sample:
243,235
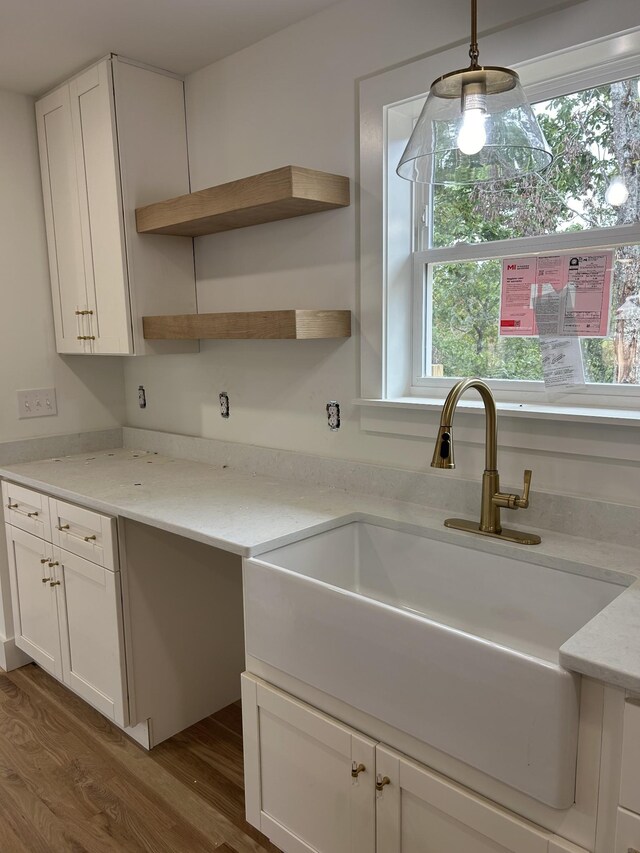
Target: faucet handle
523,502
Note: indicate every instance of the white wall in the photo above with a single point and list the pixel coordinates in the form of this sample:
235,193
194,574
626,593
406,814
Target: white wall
292,98
89,391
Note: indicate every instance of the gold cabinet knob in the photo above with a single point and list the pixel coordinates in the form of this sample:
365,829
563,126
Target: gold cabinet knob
356,770
381,781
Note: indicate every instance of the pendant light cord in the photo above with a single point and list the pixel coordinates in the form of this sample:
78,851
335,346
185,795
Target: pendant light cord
473,47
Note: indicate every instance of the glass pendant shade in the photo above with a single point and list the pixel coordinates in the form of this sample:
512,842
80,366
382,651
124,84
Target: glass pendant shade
476,126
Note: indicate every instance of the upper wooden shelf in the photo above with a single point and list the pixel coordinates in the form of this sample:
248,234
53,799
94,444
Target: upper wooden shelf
280,194
275,325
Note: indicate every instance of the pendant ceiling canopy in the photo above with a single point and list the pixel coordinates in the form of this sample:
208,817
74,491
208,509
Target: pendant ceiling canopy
476,126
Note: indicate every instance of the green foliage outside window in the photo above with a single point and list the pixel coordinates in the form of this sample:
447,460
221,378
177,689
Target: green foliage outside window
595,136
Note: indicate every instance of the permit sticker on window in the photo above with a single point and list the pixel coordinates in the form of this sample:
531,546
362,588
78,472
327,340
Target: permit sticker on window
582,281
517,316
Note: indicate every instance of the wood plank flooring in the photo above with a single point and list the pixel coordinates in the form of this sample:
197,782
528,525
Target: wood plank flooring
71,782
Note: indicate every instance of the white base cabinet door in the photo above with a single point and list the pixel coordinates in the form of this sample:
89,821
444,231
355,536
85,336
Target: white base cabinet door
34,600
419,811
627,832
90,608
309,780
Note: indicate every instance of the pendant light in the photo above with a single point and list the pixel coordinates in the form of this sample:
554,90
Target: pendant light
476,126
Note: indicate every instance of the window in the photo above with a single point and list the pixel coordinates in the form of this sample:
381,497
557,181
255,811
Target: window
430,289
591,189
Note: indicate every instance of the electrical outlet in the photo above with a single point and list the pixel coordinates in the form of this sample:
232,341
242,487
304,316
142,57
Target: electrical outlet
224,404
333,415
37,403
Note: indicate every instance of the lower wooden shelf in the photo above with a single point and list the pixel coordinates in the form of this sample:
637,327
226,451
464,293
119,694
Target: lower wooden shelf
274,325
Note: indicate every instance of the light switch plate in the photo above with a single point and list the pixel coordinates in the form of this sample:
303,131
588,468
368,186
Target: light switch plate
37,403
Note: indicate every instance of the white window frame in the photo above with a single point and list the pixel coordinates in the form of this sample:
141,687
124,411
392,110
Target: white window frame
391,303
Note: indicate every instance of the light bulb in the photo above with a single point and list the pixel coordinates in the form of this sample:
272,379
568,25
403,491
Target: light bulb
472,135
617,192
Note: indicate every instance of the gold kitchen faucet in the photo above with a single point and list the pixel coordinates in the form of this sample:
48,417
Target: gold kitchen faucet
492,498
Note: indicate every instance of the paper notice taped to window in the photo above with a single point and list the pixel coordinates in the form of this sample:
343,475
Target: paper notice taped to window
517,317
582,282
562,365
561,357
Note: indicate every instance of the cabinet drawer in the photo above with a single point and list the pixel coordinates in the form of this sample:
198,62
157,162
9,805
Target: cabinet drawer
627,832
27,510
630,777
85,533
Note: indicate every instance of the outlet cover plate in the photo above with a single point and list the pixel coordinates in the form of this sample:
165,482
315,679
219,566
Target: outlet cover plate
37,403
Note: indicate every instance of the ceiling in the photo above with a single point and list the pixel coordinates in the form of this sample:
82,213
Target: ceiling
42,42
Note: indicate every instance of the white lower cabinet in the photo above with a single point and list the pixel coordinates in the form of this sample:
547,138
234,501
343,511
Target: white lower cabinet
627,832
67,614
419,811
35,603
309,780
302,793
90,613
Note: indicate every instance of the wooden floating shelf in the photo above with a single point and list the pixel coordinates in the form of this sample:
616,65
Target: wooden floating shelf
274,325
280,194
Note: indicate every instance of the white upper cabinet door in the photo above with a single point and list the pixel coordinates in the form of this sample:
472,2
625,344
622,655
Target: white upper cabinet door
111,139
35,608
108,326
62,219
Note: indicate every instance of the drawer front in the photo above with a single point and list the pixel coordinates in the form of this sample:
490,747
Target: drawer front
627,832
630,778
27,510
85,533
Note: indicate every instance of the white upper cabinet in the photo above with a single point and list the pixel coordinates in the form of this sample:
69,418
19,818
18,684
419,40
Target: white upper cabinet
112,139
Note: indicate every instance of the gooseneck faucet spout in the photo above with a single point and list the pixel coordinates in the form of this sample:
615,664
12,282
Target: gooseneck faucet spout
492,498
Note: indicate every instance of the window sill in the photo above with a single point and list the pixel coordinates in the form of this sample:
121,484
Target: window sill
537,411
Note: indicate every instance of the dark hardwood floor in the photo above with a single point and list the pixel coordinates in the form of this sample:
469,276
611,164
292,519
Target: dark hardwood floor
70,782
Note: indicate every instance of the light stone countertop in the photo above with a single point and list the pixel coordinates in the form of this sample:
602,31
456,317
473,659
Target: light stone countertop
249,514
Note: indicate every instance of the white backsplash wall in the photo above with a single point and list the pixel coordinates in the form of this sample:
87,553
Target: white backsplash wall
90,391
292,98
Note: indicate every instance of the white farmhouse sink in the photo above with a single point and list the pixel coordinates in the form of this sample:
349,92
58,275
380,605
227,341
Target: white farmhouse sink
456,647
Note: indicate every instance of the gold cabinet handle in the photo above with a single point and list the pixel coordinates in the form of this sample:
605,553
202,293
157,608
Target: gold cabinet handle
91,538
83,313
22,512
54,583
86,337
45,580
356,770
56,563
381,781
46,560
